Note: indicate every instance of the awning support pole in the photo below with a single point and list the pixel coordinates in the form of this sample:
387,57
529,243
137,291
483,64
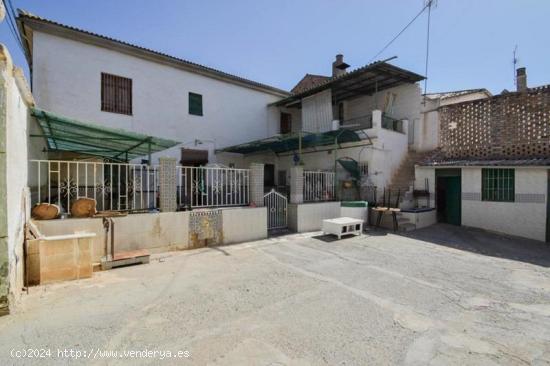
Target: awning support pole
149,152
300,147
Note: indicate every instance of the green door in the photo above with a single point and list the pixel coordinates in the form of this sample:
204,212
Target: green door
452,196
448,195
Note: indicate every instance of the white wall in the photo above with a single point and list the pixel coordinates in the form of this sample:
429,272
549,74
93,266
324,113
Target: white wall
244,224
407,103
525,217
67,78
15,99
159,232
521,218
306,217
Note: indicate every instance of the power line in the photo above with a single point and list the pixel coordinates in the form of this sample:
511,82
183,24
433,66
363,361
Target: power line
11,24
428,5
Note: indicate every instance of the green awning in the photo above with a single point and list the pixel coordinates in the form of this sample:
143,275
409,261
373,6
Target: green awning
66,134
291,142
351,166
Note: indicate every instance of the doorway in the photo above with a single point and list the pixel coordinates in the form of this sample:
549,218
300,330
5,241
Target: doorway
269,177
448,196
286,123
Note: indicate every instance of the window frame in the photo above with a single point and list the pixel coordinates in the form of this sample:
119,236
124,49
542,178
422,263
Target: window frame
498,184
191,109
114,88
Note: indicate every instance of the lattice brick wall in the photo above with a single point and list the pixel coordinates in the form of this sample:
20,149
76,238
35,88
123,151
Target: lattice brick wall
514,125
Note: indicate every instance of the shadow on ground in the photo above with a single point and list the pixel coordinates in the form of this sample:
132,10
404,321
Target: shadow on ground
485,243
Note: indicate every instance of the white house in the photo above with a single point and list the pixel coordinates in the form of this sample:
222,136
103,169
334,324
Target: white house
94,78
492,170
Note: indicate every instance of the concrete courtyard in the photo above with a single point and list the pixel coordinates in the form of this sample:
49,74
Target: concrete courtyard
442,295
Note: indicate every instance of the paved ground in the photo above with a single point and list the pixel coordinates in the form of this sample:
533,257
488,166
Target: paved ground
441,295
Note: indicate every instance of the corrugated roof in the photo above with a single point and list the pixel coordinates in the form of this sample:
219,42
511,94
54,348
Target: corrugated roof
377,75
67,134
456,93
28,19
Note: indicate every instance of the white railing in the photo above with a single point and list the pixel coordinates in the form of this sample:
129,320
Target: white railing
318,186
114,186
213,186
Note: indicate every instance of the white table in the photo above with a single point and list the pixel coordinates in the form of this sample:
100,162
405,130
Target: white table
342,226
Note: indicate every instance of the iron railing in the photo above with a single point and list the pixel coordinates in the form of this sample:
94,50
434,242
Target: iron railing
318,186
358,123
114,186
213,186
392,124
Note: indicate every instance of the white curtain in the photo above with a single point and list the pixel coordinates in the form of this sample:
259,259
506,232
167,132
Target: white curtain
317,112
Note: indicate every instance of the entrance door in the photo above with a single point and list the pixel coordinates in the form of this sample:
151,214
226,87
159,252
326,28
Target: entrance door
269,176
448,195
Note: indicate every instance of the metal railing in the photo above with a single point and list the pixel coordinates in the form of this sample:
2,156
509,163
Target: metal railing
213,186
318,186
114,186
392,124
358,123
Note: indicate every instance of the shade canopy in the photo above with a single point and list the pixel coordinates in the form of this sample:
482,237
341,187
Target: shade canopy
291,142
351,166
66,134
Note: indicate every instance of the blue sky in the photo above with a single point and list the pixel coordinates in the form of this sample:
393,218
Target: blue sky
277,42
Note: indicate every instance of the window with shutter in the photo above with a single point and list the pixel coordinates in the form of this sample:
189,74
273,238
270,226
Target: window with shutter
195,104
116,94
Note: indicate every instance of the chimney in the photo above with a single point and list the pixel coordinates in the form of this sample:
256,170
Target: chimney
339,66
521,79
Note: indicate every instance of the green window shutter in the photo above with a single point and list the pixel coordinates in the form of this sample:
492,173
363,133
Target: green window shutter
195,104
498,185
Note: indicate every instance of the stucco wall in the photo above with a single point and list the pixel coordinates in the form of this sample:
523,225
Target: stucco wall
525,217
159,232
70,85
306,217
15,99
244,224
521,218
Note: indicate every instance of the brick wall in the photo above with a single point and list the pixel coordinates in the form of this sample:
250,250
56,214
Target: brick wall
513,125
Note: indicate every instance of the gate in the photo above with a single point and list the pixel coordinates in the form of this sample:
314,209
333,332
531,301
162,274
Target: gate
276,205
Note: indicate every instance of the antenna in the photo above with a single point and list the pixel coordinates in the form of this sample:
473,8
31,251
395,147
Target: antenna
515,60
428,4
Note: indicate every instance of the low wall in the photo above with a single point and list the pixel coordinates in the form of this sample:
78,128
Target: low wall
244,224
360,213
159,232
306,217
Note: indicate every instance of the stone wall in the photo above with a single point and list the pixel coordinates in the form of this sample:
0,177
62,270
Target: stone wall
512,125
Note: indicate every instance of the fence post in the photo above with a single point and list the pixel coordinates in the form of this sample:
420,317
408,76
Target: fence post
167,185
297,184
257,184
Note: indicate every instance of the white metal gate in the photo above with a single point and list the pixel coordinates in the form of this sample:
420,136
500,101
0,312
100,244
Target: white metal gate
276,204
